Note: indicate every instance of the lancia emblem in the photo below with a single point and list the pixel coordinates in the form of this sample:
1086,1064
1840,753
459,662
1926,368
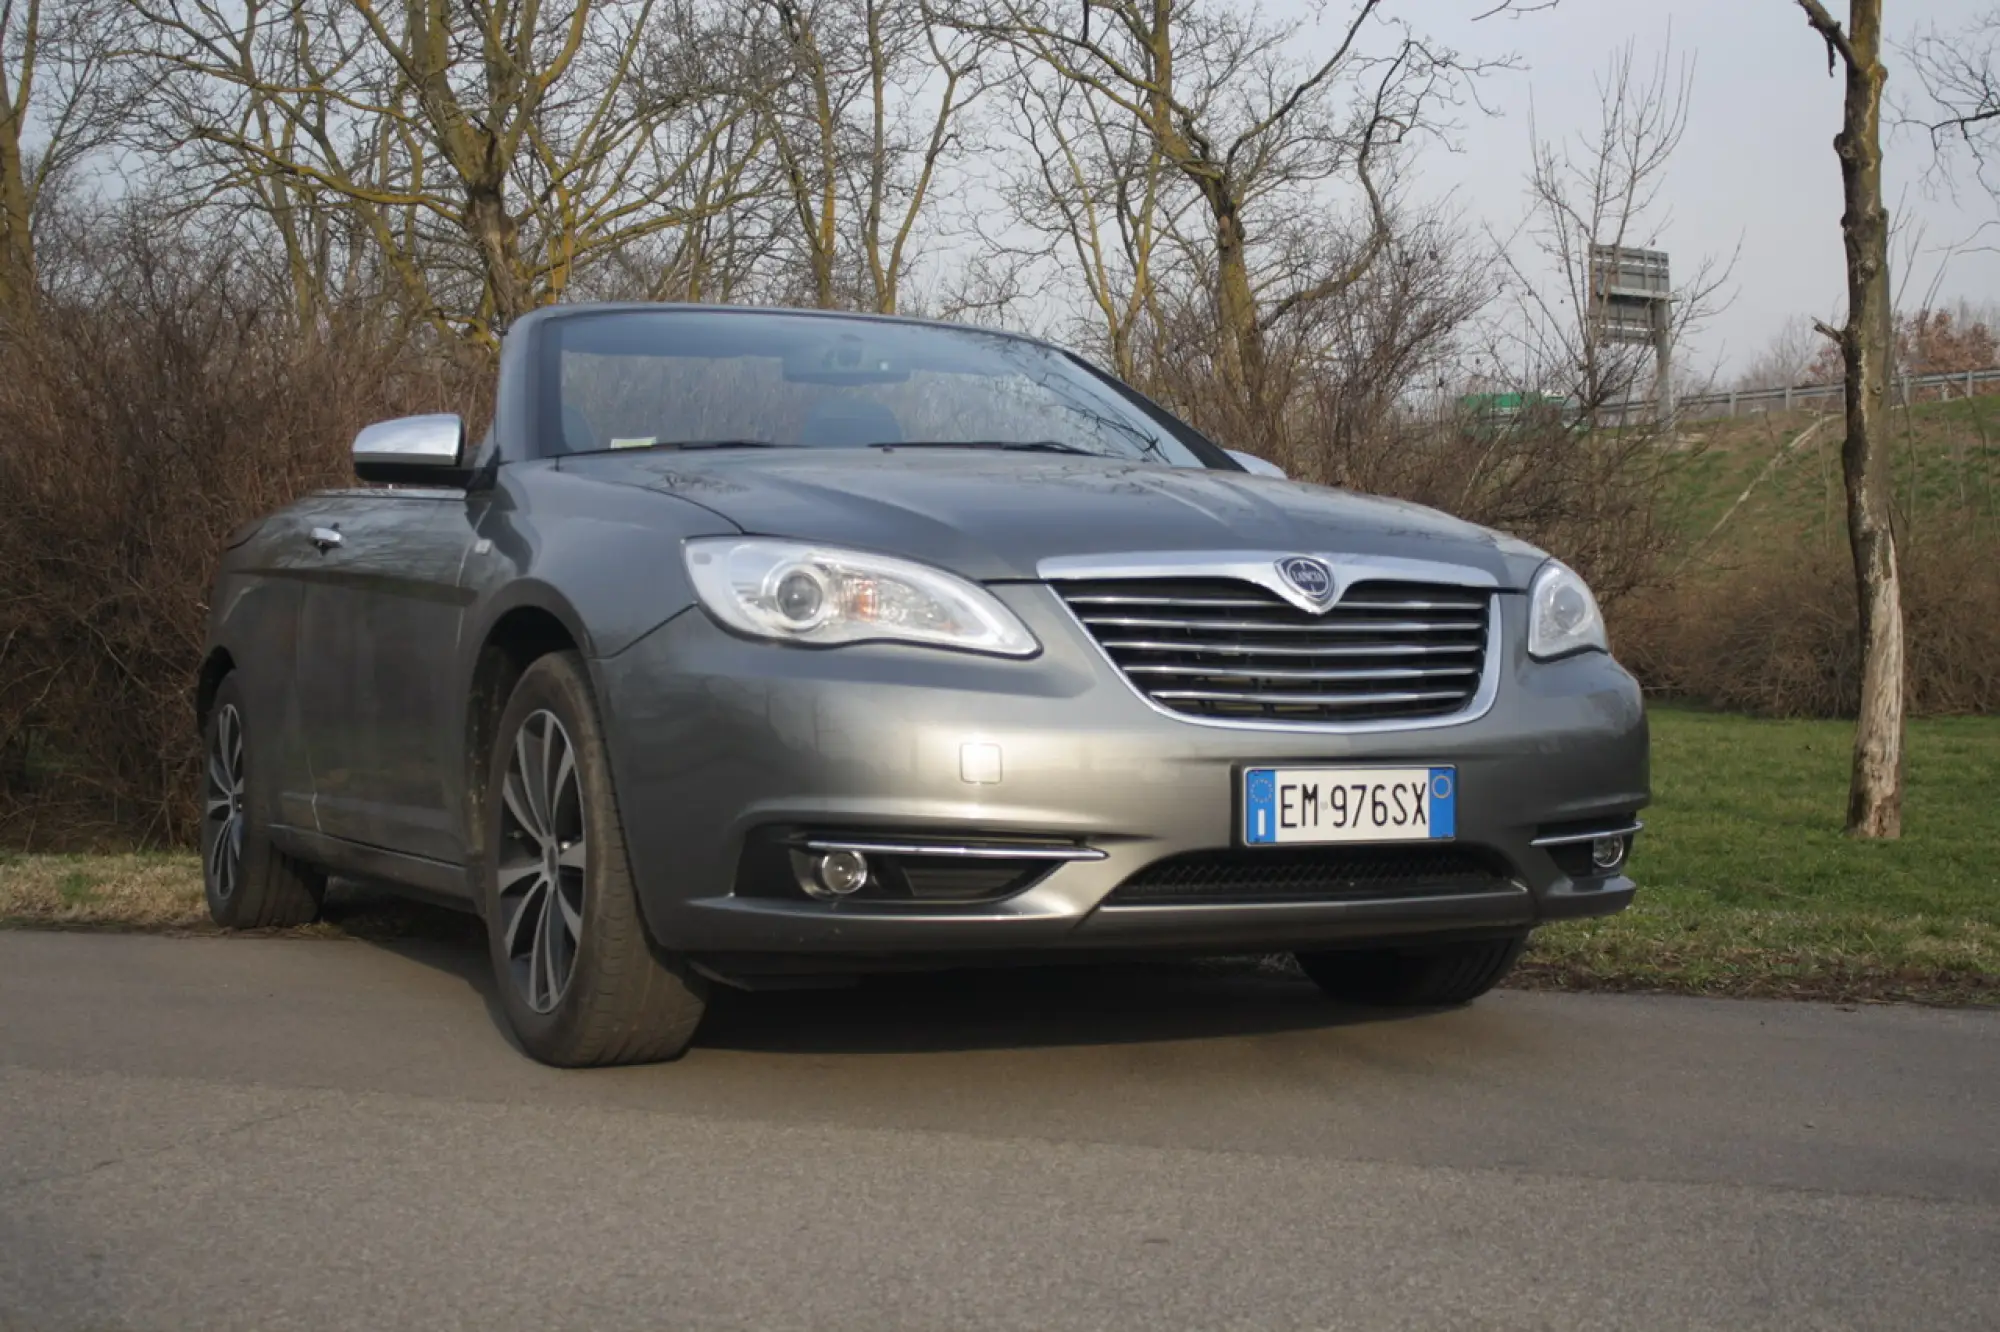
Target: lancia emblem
1311,577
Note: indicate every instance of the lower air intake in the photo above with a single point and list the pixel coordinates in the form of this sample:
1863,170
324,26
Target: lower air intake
1335,874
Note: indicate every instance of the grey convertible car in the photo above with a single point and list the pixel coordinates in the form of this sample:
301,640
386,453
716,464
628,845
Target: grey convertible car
765,647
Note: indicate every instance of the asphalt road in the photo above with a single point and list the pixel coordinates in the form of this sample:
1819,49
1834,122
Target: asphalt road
290,1134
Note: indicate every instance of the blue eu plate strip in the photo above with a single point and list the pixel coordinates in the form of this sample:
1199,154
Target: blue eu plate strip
1444,803
1260,805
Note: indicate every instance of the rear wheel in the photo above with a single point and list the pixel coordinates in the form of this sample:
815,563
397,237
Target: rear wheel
249,883
1420,976
581,982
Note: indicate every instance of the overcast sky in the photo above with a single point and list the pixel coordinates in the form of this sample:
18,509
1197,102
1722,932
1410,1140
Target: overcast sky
1756,168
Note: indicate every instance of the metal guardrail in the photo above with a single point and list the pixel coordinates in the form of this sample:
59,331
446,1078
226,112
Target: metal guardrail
1907,389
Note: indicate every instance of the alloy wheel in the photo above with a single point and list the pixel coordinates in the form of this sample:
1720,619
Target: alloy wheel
541,862
222,804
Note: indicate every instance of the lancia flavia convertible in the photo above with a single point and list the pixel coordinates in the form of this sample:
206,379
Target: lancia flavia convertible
762,647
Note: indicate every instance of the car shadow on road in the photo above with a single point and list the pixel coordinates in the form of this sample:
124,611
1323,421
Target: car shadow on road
1094,1002
1081,1003
453,942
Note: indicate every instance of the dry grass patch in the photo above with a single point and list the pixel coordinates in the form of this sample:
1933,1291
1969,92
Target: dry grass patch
142,892
161,892
1670,942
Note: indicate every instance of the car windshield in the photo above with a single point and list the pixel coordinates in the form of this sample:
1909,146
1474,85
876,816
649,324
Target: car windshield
717,379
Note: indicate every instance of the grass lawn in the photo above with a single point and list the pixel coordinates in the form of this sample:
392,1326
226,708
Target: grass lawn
1747,886
1946,458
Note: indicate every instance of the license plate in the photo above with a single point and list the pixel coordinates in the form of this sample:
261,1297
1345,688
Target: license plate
1293,805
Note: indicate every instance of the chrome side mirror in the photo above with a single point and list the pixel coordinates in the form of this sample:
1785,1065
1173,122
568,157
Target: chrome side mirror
1255,465
413,450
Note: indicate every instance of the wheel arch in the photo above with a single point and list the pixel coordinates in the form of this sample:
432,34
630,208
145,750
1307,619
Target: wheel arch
215,668
515,639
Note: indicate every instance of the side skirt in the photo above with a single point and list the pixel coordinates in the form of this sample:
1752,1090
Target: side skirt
435,881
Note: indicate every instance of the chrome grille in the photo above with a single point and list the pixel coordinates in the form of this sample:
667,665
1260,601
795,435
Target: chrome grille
1219,647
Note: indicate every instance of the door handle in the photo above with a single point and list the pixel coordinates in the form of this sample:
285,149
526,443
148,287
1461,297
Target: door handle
326,538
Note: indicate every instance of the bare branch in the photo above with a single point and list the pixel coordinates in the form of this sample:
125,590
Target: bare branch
1837,46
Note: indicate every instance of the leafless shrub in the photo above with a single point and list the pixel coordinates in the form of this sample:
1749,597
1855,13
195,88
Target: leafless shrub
136,432
1775,637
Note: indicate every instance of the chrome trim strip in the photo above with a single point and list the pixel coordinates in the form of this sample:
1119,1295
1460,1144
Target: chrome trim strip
1204,603
1318,650
1477,706
1307,700
967,852
1287,673
1462,606
1261,567
1225,626
1571,839
1225,603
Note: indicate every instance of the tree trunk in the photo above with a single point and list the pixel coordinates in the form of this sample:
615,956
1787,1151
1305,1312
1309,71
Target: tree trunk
1121,351
1241,342
1875,794
1236,304
17,251
497,237
307,283
822,267
822,222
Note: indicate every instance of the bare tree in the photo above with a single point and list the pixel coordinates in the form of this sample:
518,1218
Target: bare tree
1393,340
1251,131
1791,357
1095,191
1959,73
491,152
864,106
20,61
1875,795
806,119
727,240
907,145
1601,187
56,108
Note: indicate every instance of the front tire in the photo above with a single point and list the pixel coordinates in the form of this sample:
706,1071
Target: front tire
249,883
579,978
1425,976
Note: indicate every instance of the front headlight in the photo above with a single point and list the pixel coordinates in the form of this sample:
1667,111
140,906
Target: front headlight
823,596
1562,615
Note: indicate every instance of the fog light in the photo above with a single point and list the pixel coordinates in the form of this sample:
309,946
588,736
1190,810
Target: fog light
1608,853
841,872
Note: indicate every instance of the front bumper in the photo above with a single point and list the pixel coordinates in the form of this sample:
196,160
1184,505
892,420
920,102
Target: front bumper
716,739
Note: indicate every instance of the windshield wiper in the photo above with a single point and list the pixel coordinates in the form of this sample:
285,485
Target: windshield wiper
1008,445
729,444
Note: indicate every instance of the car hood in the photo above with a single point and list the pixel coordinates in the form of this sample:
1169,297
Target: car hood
992,516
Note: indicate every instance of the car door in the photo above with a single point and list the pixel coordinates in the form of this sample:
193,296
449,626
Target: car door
378,639
262,590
